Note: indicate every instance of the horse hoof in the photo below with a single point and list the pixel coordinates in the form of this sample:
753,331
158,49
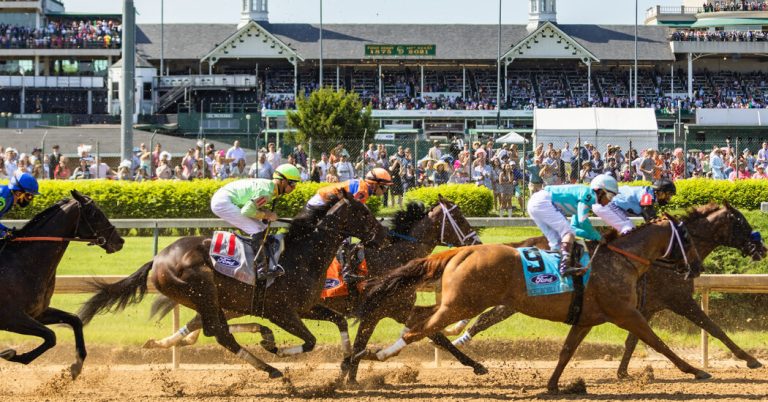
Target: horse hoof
269,346
75,369
8,354
553,389
754,364
703,375
622,375
367,355
275,373
481,370
150,344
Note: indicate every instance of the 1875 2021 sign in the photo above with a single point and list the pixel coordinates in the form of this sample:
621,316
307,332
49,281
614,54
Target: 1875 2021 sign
401,50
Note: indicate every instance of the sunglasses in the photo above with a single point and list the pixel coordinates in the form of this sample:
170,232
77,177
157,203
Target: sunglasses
26,197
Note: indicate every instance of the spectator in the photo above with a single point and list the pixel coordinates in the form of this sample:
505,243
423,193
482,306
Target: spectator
717,164
506,190
261,169
396,170
332,176
677,166
100,170
3,174
762,155
316,173
749,160
535,182
188,163
164,170
124,171
345,169
61,171
323,165
235,154
409,179
587,173
273,156
53,160
300,156
38,171
741,174
239,171
83,171
10,161
156,155
435,152
760,172
648,165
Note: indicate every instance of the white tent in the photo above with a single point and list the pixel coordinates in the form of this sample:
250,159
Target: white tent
511,138
598,126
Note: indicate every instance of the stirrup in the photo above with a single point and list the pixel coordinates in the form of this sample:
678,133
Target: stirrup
271,273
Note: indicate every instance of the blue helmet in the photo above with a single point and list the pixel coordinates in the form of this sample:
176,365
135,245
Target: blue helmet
24,182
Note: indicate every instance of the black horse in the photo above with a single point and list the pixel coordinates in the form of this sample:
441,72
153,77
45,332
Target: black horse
28,273
183,273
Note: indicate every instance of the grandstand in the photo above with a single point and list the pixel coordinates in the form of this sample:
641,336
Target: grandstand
705,56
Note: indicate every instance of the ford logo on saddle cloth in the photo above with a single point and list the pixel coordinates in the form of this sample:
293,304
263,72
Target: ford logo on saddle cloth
331,283
544,279
227,262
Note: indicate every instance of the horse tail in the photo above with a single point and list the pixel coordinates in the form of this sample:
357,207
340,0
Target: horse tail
120,293
403,281
161,307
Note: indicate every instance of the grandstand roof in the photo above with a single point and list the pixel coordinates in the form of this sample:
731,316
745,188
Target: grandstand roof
453,42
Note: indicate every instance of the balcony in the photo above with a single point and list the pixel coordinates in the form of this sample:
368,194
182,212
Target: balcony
207,81
713,47
21,5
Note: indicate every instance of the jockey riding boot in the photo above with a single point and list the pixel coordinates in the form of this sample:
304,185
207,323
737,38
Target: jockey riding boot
566,268
271,248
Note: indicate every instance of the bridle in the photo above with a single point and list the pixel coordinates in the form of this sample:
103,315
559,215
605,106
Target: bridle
347,233
96,237
675,238
450,221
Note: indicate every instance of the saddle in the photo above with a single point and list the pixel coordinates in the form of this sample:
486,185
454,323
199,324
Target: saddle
232,255
541,270
348,256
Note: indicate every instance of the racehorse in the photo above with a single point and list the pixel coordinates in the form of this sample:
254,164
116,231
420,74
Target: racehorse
416,233
183,272
475,278
28,273
661,289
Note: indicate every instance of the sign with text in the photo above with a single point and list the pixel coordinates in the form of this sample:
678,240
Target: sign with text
401,50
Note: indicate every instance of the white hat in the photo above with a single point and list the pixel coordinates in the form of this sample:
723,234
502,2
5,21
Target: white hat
165,155
126,164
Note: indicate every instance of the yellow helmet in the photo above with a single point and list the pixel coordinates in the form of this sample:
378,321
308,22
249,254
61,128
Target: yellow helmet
288,172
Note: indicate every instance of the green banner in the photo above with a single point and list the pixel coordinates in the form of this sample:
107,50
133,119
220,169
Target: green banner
400,50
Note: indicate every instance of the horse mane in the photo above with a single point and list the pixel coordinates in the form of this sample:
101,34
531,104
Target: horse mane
305,222
692,214
405,219
44,216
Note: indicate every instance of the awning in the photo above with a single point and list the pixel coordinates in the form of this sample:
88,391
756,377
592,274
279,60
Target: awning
725,22
676,24
511,138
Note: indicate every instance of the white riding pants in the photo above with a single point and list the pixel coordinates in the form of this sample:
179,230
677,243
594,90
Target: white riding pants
223,207
614,216
549,219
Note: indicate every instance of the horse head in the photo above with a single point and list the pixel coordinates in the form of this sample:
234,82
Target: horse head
682,247
94,225
742,237
350,217
455,230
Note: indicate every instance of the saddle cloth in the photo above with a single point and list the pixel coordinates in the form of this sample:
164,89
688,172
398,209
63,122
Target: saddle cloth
334,282
232,255
542,273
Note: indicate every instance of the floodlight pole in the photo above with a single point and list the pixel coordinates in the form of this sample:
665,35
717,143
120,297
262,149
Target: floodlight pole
162,37
320,84
498,76
128,85
635,78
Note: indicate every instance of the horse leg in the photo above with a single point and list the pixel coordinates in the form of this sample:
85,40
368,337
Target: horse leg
186,335
55,316
633,321
689,309
629,348
440,340
23,324
291,322
485,321
323,313
572,341
364,332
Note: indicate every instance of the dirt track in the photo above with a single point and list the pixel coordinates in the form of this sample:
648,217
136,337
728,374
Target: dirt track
411,378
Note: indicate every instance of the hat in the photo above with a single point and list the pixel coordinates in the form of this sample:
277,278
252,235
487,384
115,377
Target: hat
744,151
136,149
166,155
512,163
36,149
125,164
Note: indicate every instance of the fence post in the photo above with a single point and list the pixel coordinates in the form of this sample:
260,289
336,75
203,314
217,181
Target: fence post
176,351
704,334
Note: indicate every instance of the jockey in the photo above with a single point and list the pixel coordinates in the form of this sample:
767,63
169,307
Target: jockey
548,207
20,191
376,182
247,204
635,201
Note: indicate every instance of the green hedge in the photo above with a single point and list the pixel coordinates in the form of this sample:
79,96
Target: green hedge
473,200
742,194
157,199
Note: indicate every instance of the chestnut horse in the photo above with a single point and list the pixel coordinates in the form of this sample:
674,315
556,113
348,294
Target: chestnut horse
475,278
661,289
183,272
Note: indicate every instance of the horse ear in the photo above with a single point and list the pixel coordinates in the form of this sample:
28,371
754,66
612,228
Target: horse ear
77,196
727,204
670,217
440,198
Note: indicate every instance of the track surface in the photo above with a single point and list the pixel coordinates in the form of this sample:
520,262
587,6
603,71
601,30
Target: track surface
404,380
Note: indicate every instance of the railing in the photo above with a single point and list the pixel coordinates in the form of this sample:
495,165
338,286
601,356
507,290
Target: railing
660,10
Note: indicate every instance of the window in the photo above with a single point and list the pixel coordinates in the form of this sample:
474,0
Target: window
115,90
147,91
534,5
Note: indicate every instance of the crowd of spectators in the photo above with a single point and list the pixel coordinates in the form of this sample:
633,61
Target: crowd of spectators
691,35
742,5
65,34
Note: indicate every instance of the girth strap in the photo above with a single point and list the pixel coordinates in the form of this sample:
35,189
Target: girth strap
577,301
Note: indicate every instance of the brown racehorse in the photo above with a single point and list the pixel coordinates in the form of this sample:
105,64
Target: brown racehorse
661,289
183,272
416,233
475,278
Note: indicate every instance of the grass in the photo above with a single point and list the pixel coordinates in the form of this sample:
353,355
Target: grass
131,327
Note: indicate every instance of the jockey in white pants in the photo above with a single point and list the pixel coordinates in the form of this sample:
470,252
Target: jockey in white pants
635,201
549,207
246,204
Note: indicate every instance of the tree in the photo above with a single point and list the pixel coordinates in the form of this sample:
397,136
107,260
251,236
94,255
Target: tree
329,116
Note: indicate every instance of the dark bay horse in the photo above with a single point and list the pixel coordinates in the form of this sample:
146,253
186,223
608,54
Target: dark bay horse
183,272
475,278
661,289
416,233
28,273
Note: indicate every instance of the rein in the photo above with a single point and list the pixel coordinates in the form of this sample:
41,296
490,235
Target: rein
673,238
447,217
98,241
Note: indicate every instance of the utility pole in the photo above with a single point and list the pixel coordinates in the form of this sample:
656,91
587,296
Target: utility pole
127,86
